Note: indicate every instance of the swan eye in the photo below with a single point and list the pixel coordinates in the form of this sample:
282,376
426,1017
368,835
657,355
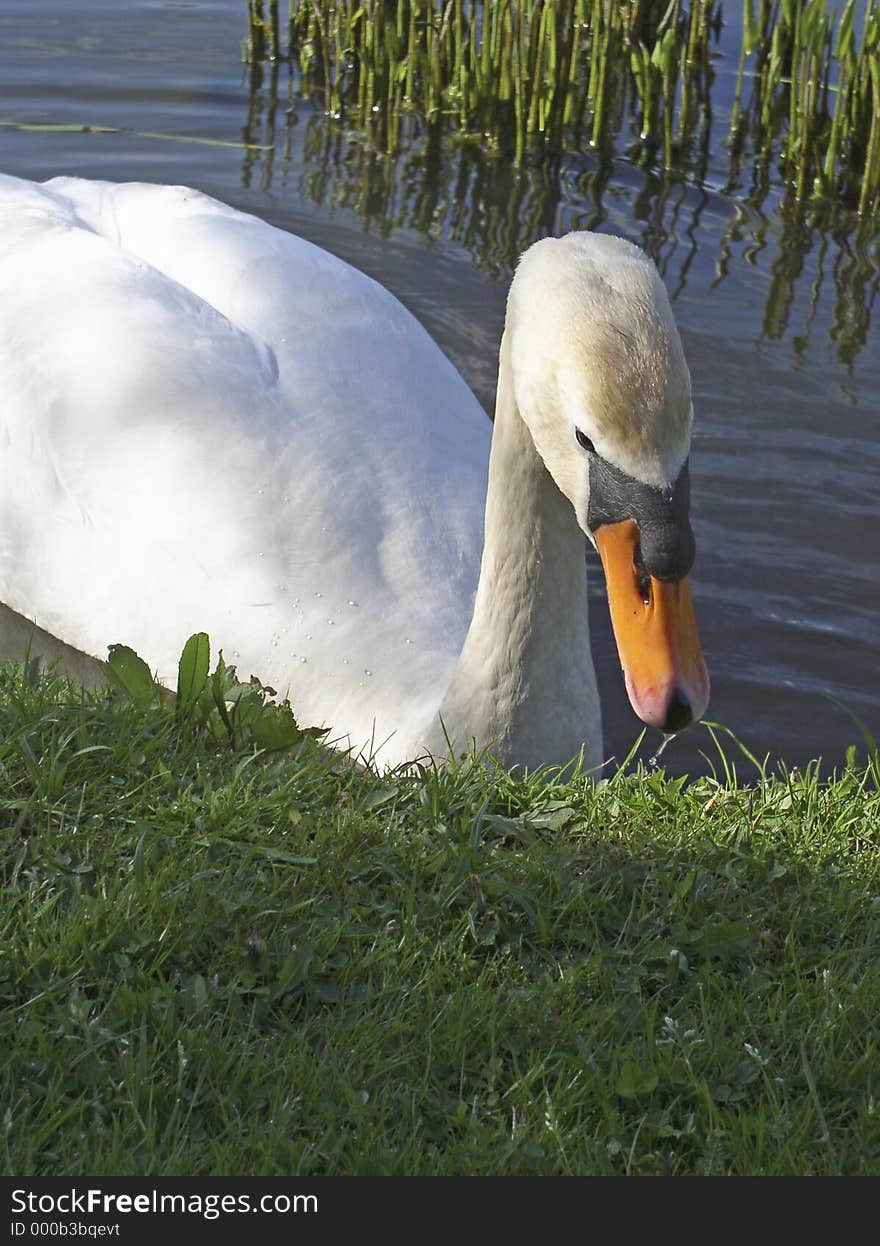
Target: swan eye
583,440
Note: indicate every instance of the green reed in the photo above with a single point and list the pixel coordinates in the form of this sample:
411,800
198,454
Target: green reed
522,75
514,72
814,86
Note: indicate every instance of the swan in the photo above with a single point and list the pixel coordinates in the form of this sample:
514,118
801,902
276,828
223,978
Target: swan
209,424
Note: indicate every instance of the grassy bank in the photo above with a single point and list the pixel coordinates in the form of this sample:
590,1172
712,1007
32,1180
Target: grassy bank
220,960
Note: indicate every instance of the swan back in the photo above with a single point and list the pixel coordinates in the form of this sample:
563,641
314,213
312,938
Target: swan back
210,424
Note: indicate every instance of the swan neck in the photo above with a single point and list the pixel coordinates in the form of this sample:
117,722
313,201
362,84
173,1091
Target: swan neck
525,678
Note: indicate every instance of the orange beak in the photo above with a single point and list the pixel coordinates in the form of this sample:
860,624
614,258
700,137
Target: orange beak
656,634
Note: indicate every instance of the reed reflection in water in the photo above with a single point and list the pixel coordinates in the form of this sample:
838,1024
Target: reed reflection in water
819,266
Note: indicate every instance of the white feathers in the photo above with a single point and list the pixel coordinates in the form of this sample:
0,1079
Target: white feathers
596,340
207,424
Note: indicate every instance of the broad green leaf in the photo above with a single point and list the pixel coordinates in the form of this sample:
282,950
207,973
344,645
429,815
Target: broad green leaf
276,728
295,968
380,796
245,705
192,670
633,1080
222,682
131,674
553,819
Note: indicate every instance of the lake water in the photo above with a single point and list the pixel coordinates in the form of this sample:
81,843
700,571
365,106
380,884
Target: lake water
775,319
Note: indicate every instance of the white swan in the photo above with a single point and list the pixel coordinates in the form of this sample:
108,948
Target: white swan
209,424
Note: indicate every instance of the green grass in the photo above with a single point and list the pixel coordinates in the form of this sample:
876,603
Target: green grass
216,960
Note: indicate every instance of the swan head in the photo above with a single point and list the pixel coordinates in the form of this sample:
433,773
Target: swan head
601,382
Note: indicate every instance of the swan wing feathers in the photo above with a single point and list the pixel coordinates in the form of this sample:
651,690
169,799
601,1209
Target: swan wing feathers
210,424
